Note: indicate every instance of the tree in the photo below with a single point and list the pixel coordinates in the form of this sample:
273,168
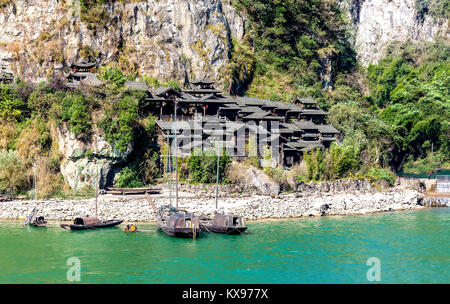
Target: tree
12,171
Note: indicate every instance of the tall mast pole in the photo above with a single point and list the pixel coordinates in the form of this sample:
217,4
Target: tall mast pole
97,182
35,181
217,179
176,158
168,170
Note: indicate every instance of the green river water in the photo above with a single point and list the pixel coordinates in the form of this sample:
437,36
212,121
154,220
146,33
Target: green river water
412,247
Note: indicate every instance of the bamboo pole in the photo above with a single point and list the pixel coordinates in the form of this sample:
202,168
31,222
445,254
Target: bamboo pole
176,158
217,178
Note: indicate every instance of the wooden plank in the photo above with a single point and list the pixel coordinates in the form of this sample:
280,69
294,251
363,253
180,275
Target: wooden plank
131,189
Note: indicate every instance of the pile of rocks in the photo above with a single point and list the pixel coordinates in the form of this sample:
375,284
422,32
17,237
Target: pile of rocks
257,207
342,185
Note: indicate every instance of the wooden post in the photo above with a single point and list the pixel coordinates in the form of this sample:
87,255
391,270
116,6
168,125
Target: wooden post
96,194
176,158
217,179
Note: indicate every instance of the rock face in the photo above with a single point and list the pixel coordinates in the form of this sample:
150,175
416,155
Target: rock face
339,186
171,39
253,180
376,23
88,162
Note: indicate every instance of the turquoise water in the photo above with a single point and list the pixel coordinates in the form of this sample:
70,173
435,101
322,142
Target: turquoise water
413,247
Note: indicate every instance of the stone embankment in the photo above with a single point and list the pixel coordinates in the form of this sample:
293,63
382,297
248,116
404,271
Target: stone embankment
255,207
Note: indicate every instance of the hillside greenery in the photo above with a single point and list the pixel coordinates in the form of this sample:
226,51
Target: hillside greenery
394,115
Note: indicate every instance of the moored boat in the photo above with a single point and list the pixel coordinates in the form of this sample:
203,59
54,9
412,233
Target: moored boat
178,223
84,223
175,222
130,227
35,221
38,221
224,223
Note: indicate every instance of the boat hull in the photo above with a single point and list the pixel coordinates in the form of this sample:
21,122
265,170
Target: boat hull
224,230
38,224
107,224
181,232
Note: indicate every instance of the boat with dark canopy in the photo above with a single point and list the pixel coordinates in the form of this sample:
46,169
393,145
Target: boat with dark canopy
175,222
224,223
84,223
38,221
35,221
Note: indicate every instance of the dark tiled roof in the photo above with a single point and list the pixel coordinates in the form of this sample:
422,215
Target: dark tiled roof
294,108
202,81
164,90
305,145
245,109
202,91
137,85
83,64
259,115
327,129
313,112
306,125
232,107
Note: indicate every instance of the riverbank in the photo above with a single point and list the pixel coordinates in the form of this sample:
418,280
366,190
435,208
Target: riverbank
295,205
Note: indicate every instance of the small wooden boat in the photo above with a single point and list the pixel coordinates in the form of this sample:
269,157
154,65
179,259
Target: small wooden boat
175,222
178,223
224,223
84,223
131,227
35,221
38,221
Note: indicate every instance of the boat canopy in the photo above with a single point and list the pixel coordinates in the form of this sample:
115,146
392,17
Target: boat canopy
223,220
86,221
179,220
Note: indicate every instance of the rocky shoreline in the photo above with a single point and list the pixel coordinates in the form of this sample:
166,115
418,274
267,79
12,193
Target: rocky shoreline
294,205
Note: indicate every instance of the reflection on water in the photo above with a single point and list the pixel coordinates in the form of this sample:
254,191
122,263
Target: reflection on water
413,247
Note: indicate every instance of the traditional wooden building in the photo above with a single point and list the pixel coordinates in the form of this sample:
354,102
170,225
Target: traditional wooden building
206,116
83,72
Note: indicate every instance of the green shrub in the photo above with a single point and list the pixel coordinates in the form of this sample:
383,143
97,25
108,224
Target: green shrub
377,174
203,167
119,122
12,171
12,107
128,178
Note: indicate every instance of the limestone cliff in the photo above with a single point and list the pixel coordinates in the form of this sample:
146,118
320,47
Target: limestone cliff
377,23
166,39
88,162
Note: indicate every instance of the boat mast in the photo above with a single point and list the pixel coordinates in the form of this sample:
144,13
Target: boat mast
97,182
35,181
217,178
176,158
168,169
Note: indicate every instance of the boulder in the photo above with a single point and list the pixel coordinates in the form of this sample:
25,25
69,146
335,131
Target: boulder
88,162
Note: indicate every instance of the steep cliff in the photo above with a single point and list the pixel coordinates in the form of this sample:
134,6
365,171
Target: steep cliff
171,39
377,23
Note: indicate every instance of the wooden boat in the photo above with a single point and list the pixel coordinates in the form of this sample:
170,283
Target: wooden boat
178,223
35,221
131,227
224,223
175,222
84,223
38,221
